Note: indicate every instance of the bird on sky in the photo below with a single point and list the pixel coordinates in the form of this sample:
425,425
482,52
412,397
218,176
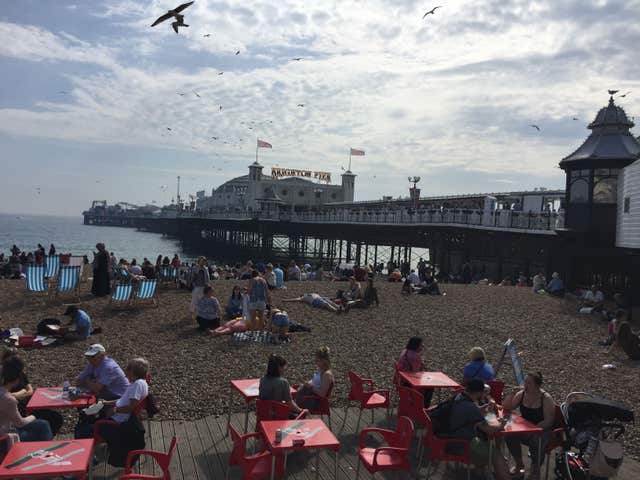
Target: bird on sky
197,94
301,104
238,52
535,126
215,138
297,59
432,11
220,73
169,128
176,14
206,35
220,107
576,118
181,94
622,96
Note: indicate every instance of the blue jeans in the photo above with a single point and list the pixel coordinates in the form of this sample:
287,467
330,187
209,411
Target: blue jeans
36,431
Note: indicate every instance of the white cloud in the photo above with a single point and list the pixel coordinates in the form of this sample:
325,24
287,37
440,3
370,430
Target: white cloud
456,91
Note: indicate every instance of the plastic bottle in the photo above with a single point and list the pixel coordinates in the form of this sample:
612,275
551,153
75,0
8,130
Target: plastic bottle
66,386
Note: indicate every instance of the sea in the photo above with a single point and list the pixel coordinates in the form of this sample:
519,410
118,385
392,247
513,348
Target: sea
70,235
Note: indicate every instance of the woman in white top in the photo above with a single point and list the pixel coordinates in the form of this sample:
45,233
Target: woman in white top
137,371
320,384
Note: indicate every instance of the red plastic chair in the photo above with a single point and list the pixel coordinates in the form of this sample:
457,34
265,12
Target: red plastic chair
556,439
392,458
438,448
369,399
497,390
255,466
163,460
270,410
323,404
411,405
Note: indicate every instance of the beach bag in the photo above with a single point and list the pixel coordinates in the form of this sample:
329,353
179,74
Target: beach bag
43,327
607,459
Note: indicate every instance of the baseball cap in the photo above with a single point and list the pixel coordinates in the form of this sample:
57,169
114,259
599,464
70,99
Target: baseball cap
94,349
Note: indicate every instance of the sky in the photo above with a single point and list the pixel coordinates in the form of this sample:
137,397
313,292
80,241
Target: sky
89,91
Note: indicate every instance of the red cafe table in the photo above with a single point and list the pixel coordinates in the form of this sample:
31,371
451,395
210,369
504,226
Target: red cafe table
314,432
516,425
55,458
50,398
425,380
249,389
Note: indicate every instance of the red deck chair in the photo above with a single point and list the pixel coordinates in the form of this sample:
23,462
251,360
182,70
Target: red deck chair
163,460
438,448
392,458
323,404
256,466
556,439
369,399
497,390
411,405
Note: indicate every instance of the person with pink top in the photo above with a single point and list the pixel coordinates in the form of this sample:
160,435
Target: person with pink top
411,361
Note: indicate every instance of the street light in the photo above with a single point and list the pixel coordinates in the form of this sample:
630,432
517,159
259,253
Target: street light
416,195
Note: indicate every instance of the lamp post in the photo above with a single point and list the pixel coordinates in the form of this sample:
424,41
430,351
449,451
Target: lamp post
415,193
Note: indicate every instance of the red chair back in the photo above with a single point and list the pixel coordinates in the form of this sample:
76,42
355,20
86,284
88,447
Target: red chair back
269,410
497,390
411,404
169,455
237,453
357,387
396,374
404,433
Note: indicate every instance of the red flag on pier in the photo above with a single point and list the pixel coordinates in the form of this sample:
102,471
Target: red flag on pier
357,153
262,144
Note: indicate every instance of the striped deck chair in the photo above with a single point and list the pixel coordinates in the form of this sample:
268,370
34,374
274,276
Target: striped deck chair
68,281
147,291
35,279
122,294
52,262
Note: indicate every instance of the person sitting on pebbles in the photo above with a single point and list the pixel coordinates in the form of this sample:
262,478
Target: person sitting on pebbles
316,300
280,324
81,323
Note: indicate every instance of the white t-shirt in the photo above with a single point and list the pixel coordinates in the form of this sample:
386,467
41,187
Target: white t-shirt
414,278
135,391
598,297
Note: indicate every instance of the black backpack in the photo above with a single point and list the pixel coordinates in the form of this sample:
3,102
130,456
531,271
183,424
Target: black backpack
441,415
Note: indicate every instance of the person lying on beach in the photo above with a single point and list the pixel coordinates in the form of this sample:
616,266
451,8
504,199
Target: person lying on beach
232,326
316,300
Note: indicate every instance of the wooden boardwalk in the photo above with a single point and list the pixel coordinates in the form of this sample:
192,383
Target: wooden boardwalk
203,451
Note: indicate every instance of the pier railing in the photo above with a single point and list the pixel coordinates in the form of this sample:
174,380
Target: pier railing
493,220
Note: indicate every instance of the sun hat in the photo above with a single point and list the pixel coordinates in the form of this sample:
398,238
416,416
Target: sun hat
94,350
476,353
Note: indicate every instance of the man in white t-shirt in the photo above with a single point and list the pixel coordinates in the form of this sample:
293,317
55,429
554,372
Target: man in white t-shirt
137,371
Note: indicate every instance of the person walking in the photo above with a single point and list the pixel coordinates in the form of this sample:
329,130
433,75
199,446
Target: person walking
100,286
259,298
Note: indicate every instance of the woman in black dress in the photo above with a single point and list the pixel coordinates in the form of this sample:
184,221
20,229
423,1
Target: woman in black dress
100,286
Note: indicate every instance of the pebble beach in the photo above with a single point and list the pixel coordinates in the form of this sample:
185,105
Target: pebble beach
191,370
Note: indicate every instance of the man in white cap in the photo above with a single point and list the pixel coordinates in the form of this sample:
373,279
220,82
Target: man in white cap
102,376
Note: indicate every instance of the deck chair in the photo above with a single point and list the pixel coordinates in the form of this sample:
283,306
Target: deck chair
52,262
68,281
122,294
35,279
168,274
147,291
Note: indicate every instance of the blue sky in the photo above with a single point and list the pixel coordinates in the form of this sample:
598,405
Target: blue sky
88,91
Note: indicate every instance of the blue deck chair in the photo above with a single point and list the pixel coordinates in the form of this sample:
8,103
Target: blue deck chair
35,279
52,262
68,281
122,294
147,291
168,274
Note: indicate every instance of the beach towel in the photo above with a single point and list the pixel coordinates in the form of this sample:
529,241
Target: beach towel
253,336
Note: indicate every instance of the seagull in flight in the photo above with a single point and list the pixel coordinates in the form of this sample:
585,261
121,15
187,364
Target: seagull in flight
196,93
176,14
206,35
220,107
220,73
301,104
296,59
432,11
622,96
238,52
576,118
169,128
535,126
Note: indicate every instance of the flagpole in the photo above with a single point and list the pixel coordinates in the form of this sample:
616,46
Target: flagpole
256,149
349,159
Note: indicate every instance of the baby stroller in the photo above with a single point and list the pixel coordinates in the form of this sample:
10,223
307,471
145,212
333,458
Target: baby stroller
593,429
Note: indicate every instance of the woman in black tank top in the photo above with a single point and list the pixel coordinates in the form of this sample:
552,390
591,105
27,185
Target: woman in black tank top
537,407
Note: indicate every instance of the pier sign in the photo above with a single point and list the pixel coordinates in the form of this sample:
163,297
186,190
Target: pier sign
277,172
